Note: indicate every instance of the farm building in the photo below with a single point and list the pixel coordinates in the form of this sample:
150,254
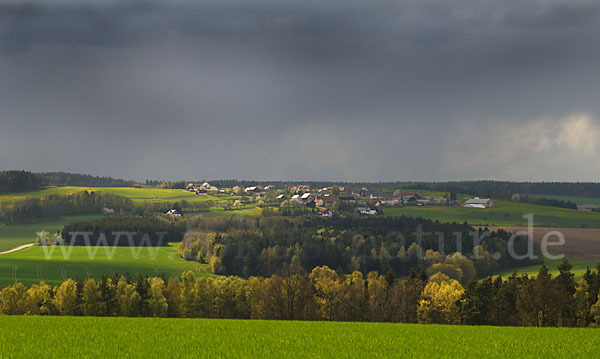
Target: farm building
588,207
327,213
325,201
479,203
407,195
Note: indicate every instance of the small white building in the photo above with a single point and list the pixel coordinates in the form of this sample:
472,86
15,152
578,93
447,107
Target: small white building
366,211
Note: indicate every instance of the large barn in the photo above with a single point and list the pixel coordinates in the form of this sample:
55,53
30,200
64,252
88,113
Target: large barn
479,203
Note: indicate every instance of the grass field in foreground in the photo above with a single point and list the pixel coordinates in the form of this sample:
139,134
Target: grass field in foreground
68,337
504,213
579,268
31,266
17,235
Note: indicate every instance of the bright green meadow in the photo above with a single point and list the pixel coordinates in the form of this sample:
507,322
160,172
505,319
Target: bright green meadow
30,265
88,337
17,235
579,268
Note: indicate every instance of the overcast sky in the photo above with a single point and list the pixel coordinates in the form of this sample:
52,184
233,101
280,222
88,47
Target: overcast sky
302,89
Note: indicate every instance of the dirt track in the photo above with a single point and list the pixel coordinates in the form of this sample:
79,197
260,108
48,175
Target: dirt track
18,248
580,243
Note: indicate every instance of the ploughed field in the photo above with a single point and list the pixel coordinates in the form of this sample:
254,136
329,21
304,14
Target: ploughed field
65,337
580,243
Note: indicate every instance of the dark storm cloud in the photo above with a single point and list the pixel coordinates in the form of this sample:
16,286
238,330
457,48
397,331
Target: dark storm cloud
351,90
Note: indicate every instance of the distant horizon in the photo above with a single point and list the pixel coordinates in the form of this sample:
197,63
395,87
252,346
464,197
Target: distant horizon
120,178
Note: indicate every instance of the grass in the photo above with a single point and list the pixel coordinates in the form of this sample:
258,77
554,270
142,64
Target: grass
17,235
579,268
575,199
63,337
31,266
504,213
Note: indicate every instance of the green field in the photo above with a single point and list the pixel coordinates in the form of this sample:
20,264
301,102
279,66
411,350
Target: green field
68,337
130,192
504,213
137,195
17,235
31,266
579,268
575,199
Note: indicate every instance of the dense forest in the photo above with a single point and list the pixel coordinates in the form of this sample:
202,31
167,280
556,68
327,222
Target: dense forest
324,294
147,230
263,245
18,181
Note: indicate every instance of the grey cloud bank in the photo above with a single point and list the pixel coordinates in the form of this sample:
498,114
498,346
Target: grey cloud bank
331,90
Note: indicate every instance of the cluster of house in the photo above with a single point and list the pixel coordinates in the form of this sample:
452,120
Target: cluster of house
324,198
203,188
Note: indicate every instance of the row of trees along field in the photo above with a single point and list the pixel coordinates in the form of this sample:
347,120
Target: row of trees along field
324,294
32,210
18,181
54,206
246,246
75,179
147,230
545,201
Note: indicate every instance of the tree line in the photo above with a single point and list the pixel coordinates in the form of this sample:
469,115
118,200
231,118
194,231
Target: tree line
18,181
324,294
547,202
505,189
261,246
83,180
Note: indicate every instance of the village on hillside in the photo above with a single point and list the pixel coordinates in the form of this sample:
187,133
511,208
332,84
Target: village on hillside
332,201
